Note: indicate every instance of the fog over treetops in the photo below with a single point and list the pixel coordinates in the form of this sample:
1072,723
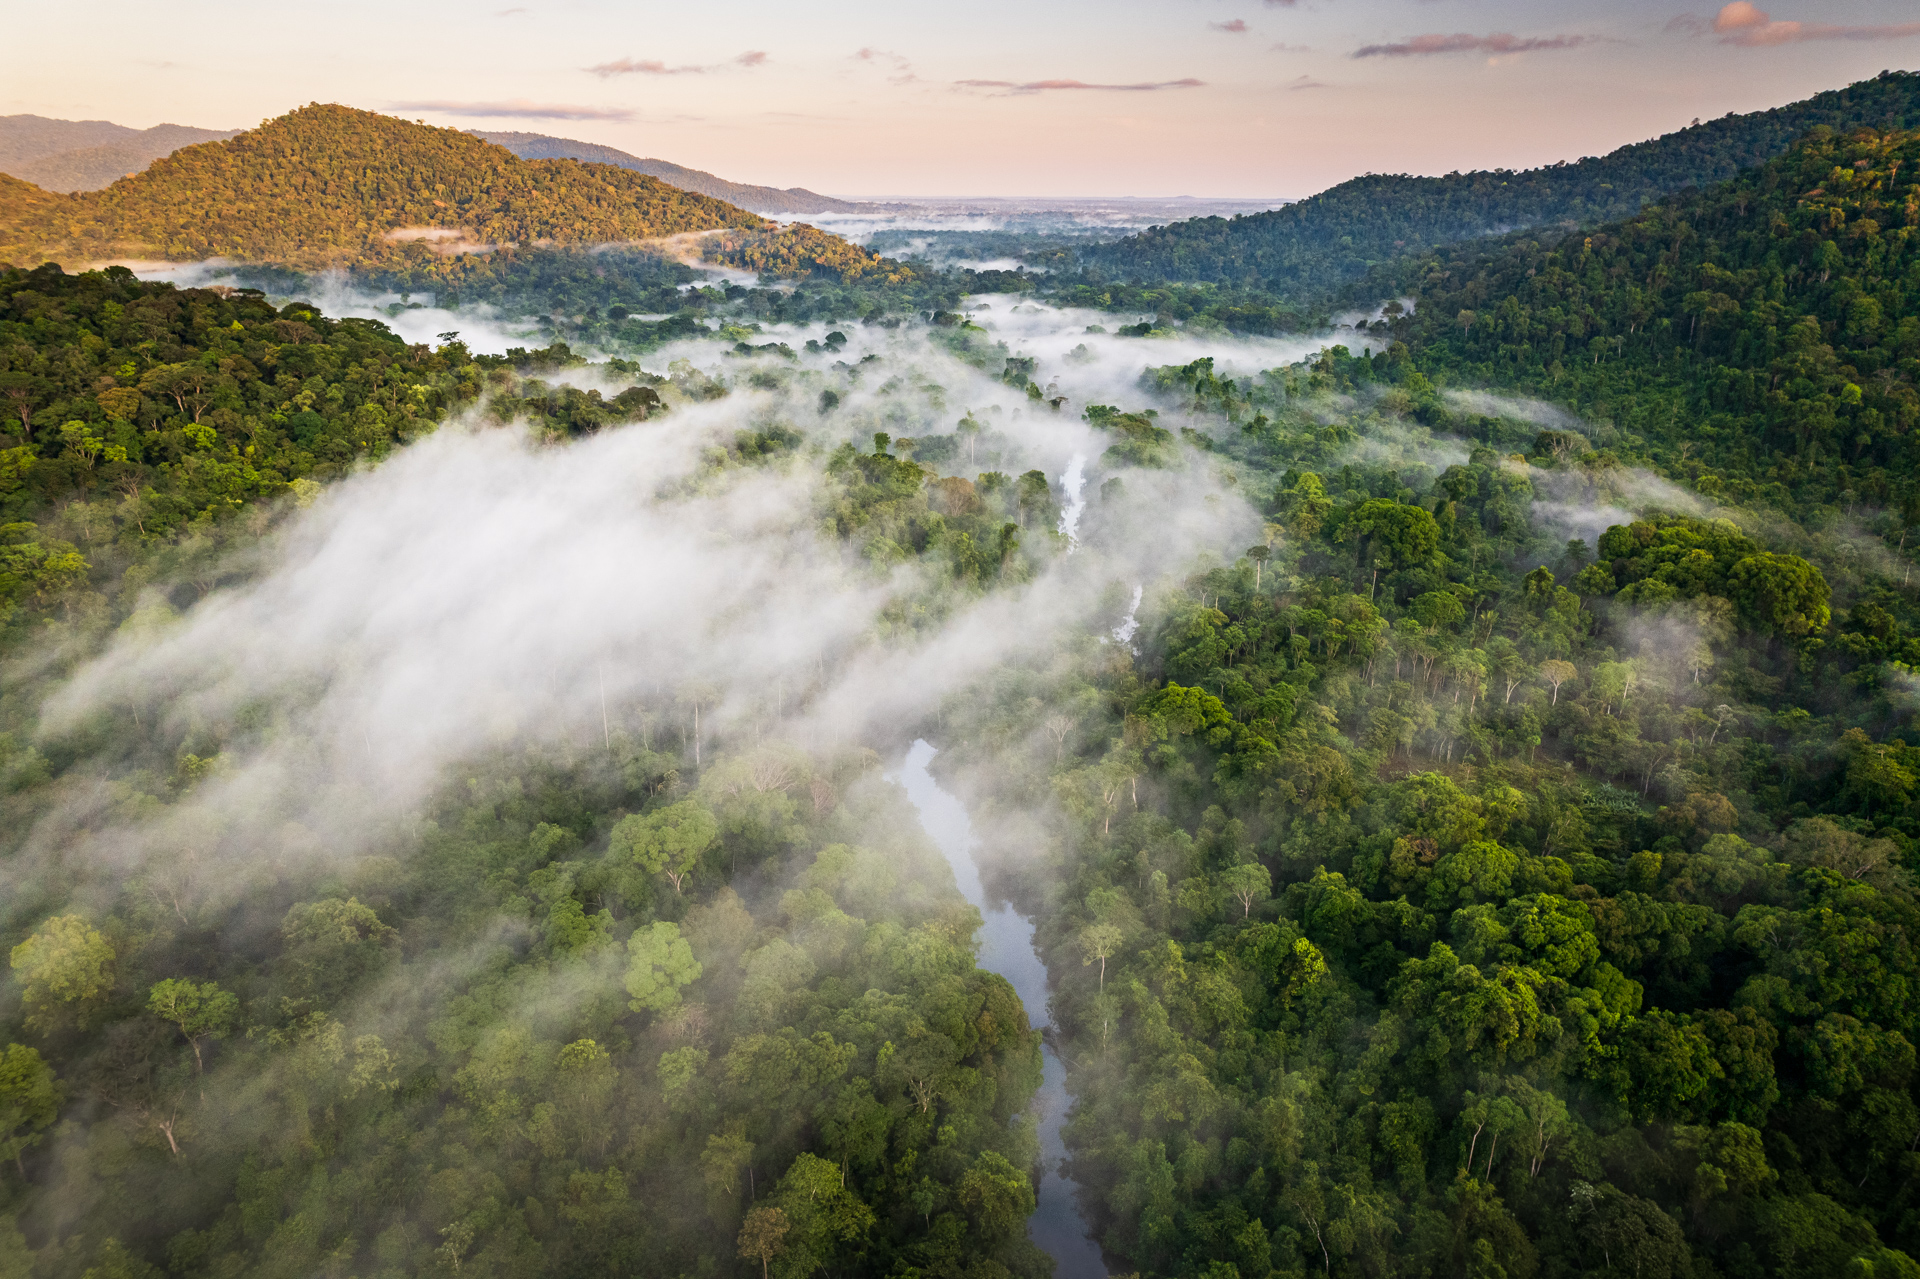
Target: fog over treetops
1444,757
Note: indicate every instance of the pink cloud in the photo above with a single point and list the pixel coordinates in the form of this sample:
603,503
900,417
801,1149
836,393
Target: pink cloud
1498,43
654,66
1237,26
1745,24
1043,86
903,72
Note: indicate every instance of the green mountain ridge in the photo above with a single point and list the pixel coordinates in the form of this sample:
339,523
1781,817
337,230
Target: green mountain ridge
1760,338
1311,249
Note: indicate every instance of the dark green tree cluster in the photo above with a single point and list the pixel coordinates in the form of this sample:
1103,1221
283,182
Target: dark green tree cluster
1309,250
898,509
1432,897
144,425
1760,338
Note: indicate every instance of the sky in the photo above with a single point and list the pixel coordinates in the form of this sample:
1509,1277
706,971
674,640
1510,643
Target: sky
1244,99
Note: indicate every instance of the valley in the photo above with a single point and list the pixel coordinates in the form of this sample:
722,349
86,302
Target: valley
563,715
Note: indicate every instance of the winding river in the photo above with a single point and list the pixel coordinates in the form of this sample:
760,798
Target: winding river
1006,947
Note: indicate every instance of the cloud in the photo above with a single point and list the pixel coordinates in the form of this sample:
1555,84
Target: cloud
1305,82
1284,47
1498,43
1238,26
1738,16
509,13
517,109
654,66
1043,86
643,66
903,72
1748,26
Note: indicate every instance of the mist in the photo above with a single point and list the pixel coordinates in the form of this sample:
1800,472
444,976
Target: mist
480,588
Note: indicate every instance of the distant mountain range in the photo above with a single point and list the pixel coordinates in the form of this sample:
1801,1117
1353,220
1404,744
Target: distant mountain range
1313,248
538,146
85,155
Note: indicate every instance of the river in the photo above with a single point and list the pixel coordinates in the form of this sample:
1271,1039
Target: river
1006,947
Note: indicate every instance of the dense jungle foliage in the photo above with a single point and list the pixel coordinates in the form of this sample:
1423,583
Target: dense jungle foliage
1436,899
679,1006
662,1003
1761,339
1306,251
1503,867
144,424
329,186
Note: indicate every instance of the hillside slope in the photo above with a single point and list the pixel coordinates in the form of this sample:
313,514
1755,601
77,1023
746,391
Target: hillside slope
1313,247
1761,338
760,199
89,168
328,186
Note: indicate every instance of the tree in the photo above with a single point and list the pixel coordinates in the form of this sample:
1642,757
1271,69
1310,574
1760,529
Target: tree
821,1210
1782,592
29,1099
1439,609
660,964
1407,535
583,1082
1556,673
1631,1232
727,1154
1034,494
1247,884
201,1011
21,391
1098,942
763,1237
66,962
668,841
999,1196
1259,555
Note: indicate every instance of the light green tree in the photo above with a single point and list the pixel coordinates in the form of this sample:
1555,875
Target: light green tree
1248,884
667,841
200,1010
821,1211
1098,942
66,963
660,963
29,1100
998,1196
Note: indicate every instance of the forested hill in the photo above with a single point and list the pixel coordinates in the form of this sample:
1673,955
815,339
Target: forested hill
328,186
1313,247
1761,337
539,146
